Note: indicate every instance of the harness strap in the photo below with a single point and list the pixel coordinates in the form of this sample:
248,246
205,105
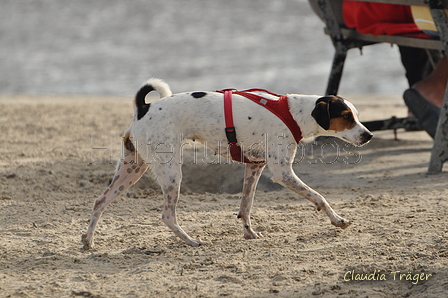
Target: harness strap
279,107
235,149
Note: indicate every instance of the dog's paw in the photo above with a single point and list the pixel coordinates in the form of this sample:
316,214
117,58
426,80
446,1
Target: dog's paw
342,223
88,242
195,242
250,234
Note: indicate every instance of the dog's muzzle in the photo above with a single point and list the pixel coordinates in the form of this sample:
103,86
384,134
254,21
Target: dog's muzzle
365,137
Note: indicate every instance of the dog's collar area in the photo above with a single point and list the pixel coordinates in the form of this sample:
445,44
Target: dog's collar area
279,107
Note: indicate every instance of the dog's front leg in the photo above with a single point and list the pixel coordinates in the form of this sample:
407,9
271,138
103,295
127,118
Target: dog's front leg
251,176
284,175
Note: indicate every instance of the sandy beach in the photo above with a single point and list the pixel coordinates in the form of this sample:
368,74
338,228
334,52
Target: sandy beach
59,153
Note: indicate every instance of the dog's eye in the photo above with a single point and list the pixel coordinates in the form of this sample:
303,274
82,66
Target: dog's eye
347,117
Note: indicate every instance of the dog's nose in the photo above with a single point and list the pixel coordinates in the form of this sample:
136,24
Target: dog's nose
366,136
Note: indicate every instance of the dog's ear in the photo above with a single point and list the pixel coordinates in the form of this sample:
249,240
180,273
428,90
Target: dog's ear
321,112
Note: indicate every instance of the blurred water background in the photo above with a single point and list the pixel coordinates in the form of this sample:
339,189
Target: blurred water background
109,47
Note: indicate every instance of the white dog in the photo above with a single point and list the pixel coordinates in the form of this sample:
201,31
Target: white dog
156,135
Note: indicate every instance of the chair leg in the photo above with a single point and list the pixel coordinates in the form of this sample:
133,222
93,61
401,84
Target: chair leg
336,69
439,153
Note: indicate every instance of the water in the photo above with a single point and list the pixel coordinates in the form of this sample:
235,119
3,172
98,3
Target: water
112,46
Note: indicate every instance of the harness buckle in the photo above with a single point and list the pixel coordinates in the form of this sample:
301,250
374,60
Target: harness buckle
231,134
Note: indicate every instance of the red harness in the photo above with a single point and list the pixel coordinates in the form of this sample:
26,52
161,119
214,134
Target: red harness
279,107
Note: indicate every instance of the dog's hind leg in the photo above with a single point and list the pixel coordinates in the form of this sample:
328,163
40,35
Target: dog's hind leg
251,176
170,183
129,170
284,175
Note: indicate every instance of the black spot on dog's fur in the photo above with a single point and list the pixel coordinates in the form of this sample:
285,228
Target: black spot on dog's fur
142,107
143,110
198,94
249,118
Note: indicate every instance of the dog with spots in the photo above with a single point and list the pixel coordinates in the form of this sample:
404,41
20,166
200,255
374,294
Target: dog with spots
159,130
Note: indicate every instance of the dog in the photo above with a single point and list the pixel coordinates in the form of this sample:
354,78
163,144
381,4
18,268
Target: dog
155,139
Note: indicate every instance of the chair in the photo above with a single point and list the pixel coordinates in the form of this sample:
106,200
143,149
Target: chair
344,39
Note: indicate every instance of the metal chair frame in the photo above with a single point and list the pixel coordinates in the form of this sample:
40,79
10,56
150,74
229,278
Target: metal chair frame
345,39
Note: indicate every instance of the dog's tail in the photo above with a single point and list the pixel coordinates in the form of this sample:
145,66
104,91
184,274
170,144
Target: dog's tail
153,84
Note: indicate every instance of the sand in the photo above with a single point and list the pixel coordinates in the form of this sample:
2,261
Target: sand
58,154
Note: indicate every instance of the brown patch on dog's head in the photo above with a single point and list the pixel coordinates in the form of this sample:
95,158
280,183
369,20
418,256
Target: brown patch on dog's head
332,113
345,121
